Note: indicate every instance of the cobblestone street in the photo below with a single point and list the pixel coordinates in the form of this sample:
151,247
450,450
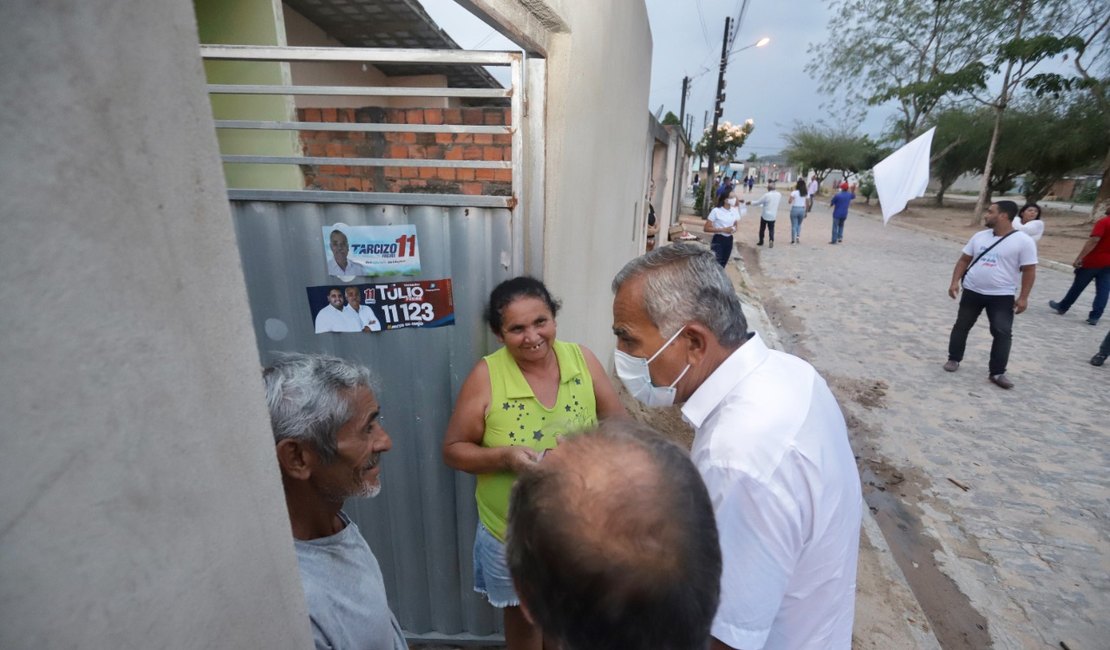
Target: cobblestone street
996,503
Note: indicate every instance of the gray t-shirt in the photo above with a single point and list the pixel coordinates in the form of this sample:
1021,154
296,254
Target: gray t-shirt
345,593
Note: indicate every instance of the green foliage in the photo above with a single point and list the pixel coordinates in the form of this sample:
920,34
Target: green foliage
752,157
824,149
670,119
730,137
699,199
867,186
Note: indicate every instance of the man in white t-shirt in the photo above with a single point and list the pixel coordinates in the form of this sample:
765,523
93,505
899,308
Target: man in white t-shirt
332,318
811,192
769,441
993,263
770,204
364,314
338,264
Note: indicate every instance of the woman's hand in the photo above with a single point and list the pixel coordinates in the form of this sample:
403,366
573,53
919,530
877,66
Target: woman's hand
519,460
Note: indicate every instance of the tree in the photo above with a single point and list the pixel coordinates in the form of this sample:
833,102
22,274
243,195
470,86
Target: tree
911,53
730,137
961,136
824,150
1057,140
670,119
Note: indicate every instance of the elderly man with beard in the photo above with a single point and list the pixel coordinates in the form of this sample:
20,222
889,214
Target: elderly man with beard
329,441
334,317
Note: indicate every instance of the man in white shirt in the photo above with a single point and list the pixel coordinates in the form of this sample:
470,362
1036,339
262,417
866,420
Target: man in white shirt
811,192
339,265
770,443
364,314
770,203
989,270
332,318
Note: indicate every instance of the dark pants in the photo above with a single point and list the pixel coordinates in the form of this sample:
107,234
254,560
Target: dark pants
1104,349
766,225
1083,277
722,248
1000,314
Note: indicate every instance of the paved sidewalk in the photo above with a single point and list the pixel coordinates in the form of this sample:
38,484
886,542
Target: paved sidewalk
995,503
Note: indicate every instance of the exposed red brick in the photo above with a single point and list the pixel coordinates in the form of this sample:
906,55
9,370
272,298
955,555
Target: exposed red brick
464,174
414,116
494,117
472,116
311,115
433,116
407,138
491,153
416,151
453,153
472,153
484,174
445,174
433,152
504,175
503,138
444,138
508,115
464,138
328,115
398,151
452,116
427,172
409,172
483,138
392,172
333,149
471,188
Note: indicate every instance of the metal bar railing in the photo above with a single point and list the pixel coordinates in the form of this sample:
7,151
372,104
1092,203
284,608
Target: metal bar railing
361,127
358,91
368,162
365,55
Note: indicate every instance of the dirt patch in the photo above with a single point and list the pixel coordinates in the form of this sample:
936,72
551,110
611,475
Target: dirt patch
1064,230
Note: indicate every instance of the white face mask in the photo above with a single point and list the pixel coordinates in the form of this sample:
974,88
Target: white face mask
730,202
636,377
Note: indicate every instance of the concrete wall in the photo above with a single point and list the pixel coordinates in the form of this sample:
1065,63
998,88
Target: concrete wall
140,504
250,22
599,75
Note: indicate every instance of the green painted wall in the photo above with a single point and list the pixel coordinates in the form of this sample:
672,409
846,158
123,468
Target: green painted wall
250,22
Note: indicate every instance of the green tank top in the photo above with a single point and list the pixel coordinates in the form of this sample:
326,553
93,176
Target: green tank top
517,418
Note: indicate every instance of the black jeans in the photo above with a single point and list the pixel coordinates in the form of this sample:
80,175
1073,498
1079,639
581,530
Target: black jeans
766,225
722,248
1000,314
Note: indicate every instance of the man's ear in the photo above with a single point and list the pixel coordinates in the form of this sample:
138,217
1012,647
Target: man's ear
698,339
296,458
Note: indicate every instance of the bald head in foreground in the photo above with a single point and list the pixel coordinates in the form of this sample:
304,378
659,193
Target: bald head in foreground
612,543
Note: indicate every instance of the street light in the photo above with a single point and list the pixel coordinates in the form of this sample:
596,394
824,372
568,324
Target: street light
760,43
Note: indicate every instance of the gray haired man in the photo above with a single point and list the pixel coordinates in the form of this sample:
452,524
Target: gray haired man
329,442
770,443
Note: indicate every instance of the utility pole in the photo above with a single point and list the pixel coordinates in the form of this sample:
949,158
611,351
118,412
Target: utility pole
682,109
719,109
705,181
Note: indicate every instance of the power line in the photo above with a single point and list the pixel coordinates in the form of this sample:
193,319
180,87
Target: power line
704,31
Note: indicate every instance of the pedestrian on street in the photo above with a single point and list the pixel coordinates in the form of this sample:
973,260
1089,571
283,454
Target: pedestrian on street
1029,221
799,202
722,222
1092,263
770,443
811,193
751,183
840,202
989,280
770,204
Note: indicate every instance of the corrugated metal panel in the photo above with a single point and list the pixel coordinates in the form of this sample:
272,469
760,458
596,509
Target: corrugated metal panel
421,527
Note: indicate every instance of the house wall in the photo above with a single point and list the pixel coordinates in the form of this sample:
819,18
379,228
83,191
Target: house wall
250,22
598,77
300,31
141,503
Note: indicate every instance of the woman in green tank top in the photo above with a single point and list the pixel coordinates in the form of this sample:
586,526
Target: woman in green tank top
512,407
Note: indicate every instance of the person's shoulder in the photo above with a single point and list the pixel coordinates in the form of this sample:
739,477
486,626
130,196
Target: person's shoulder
1101,226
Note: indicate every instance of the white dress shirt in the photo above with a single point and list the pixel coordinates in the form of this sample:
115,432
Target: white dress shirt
771,444
365,315
331,319
353,268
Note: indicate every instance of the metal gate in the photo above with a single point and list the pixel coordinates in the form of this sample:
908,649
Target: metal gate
421,527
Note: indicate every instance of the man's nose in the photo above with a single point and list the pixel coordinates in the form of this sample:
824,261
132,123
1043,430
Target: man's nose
383,442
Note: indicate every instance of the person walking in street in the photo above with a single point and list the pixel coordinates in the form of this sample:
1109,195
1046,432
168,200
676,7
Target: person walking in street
1103,352
840,202
1029,221
751,183
722,222
1092,263
770,205
799,202
988,271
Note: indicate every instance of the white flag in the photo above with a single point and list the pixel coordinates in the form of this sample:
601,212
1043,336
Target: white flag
904,174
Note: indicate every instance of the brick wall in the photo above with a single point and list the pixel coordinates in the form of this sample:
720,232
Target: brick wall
437,146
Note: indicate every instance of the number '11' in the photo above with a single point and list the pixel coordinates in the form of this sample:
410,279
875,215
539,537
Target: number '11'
401,241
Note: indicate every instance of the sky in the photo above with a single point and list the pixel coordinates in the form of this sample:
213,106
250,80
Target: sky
767,84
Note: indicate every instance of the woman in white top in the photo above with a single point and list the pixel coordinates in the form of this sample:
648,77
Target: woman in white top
722,222
1028,220
797,211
